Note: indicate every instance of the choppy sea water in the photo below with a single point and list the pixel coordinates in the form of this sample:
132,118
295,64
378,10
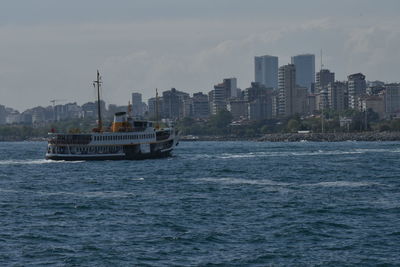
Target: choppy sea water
211,204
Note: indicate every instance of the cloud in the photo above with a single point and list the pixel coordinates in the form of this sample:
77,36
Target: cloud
42,62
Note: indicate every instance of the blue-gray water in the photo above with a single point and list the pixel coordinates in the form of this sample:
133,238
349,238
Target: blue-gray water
213,203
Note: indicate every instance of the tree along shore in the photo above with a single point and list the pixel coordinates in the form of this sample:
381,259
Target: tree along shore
299,137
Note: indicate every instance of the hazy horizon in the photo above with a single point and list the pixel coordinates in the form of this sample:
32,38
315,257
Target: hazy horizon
52,49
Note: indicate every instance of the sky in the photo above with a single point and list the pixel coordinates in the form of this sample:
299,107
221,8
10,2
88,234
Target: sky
51,49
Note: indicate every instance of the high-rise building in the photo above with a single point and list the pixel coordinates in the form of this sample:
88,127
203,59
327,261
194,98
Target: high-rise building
201,107
286,87
156,107
305,70
374,102
392,99
324,78
221,94
137,105
311,103
238,108
356,88
266,71
188,108
260,101
322,100
300,100
173,104
230,87
336,95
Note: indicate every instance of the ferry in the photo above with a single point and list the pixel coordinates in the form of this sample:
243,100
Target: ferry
127,139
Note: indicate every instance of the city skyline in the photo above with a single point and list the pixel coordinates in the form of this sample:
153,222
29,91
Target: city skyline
52,50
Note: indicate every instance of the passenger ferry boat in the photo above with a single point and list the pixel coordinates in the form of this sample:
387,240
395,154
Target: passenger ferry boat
128,139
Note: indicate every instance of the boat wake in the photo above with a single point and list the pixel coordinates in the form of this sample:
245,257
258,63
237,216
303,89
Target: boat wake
34,162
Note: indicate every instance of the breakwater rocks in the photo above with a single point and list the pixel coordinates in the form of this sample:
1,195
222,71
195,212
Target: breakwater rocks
331,137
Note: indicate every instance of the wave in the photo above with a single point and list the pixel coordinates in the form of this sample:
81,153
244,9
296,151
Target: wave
243,181
285,154
343,184
275,183
378,150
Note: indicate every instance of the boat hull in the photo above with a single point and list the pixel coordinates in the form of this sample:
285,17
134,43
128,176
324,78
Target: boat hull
154,155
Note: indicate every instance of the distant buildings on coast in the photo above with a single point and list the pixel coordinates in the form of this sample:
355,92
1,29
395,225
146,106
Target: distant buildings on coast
277,92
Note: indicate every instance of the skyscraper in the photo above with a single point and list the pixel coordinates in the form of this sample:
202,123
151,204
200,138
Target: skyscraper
231,88
356,88
287,87
221,94
173,103
266,71
324,78
336,95
305,70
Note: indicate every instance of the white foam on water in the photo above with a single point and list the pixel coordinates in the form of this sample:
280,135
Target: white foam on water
321,152
235,156
342,184
286,154
378,150
243,181
35,162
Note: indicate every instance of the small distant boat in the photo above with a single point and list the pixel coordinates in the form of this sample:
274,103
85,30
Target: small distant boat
127,139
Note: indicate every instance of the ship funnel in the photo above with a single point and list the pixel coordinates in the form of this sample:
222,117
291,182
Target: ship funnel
120,122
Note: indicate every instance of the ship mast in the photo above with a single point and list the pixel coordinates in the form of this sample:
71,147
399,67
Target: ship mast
97,84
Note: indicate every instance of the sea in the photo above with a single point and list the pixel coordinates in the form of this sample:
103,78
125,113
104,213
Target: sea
210,204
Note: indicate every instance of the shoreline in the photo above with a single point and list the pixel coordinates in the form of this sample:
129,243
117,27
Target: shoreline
309,137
